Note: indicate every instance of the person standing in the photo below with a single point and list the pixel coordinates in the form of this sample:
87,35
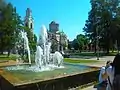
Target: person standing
103,80
113,73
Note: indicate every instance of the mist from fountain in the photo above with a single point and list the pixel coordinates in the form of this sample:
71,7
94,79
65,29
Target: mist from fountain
44,59
26,45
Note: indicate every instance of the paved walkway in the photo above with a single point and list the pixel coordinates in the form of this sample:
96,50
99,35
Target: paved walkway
9,63
103,58
99,64
89,88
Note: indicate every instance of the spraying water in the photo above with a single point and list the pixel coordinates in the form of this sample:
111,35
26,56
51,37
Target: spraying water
26,45
38,57
44,59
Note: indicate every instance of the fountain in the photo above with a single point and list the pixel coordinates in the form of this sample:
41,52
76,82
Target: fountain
22,47
43,56
49,72
26,45
44,59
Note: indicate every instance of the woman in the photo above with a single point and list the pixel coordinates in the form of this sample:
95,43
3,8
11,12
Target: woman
103,81
113,74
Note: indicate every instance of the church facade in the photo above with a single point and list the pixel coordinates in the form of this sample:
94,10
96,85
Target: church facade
29,21
58,39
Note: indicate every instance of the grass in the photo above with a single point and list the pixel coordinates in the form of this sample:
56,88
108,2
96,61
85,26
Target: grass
11,57
84,54
79,61
5,57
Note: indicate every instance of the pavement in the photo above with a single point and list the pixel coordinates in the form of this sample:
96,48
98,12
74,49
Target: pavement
103,58
101,63
89,88
9,63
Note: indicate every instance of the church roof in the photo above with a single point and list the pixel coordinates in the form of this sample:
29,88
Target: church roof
53,22
28,9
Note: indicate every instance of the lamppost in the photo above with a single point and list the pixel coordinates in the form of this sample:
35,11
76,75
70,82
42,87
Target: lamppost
117,46
1,15
97,37
97,43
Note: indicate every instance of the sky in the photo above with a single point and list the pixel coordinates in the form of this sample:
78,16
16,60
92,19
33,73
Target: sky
70,14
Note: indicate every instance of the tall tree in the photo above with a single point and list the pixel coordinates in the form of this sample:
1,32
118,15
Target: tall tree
82,41
102,20
9,28
63,40
31,37
75,44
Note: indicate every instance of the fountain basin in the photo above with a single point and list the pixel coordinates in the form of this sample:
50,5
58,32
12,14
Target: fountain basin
71,75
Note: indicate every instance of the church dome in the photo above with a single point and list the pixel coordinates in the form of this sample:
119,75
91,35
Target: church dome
53,22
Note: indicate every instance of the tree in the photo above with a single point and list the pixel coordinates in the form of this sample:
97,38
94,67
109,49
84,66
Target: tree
70,45
2,4
2,7
75,44
9,28
102,20
82,41
31,37
63,40
34,43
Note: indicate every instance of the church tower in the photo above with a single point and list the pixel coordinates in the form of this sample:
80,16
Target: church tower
29,19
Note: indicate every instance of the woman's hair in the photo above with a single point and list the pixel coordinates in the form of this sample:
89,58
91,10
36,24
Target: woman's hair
108,62
116,64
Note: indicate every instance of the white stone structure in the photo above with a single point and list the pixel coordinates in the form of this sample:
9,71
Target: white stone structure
57,38
29,21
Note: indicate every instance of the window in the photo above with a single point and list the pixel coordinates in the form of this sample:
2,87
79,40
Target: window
31,26
26,24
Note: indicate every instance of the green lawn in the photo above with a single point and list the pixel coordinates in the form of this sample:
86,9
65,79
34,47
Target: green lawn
5,57
13,57
94,54
79,61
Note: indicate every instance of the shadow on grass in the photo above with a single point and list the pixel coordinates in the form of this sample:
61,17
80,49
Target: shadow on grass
79,61
94,54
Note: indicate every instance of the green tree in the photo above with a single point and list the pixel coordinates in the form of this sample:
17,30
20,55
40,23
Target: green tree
70,45
9,28
102,20
2,4
75,44
32,38
63,39
82,41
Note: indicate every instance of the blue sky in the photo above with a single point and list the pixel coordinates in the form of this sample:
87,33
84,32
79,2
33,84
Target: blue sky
70,14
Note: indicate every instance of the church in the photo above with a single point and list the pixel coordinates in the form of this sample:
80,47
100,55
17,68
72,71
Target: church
29,21
58,39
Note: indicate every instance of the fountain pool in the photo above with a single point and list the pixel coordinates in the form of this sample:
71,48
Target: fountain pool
26,78
49,72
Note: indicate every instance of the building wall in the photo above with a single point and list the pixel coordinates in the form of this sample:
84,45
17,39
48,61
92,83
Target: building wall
29,21
57,39
53,27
